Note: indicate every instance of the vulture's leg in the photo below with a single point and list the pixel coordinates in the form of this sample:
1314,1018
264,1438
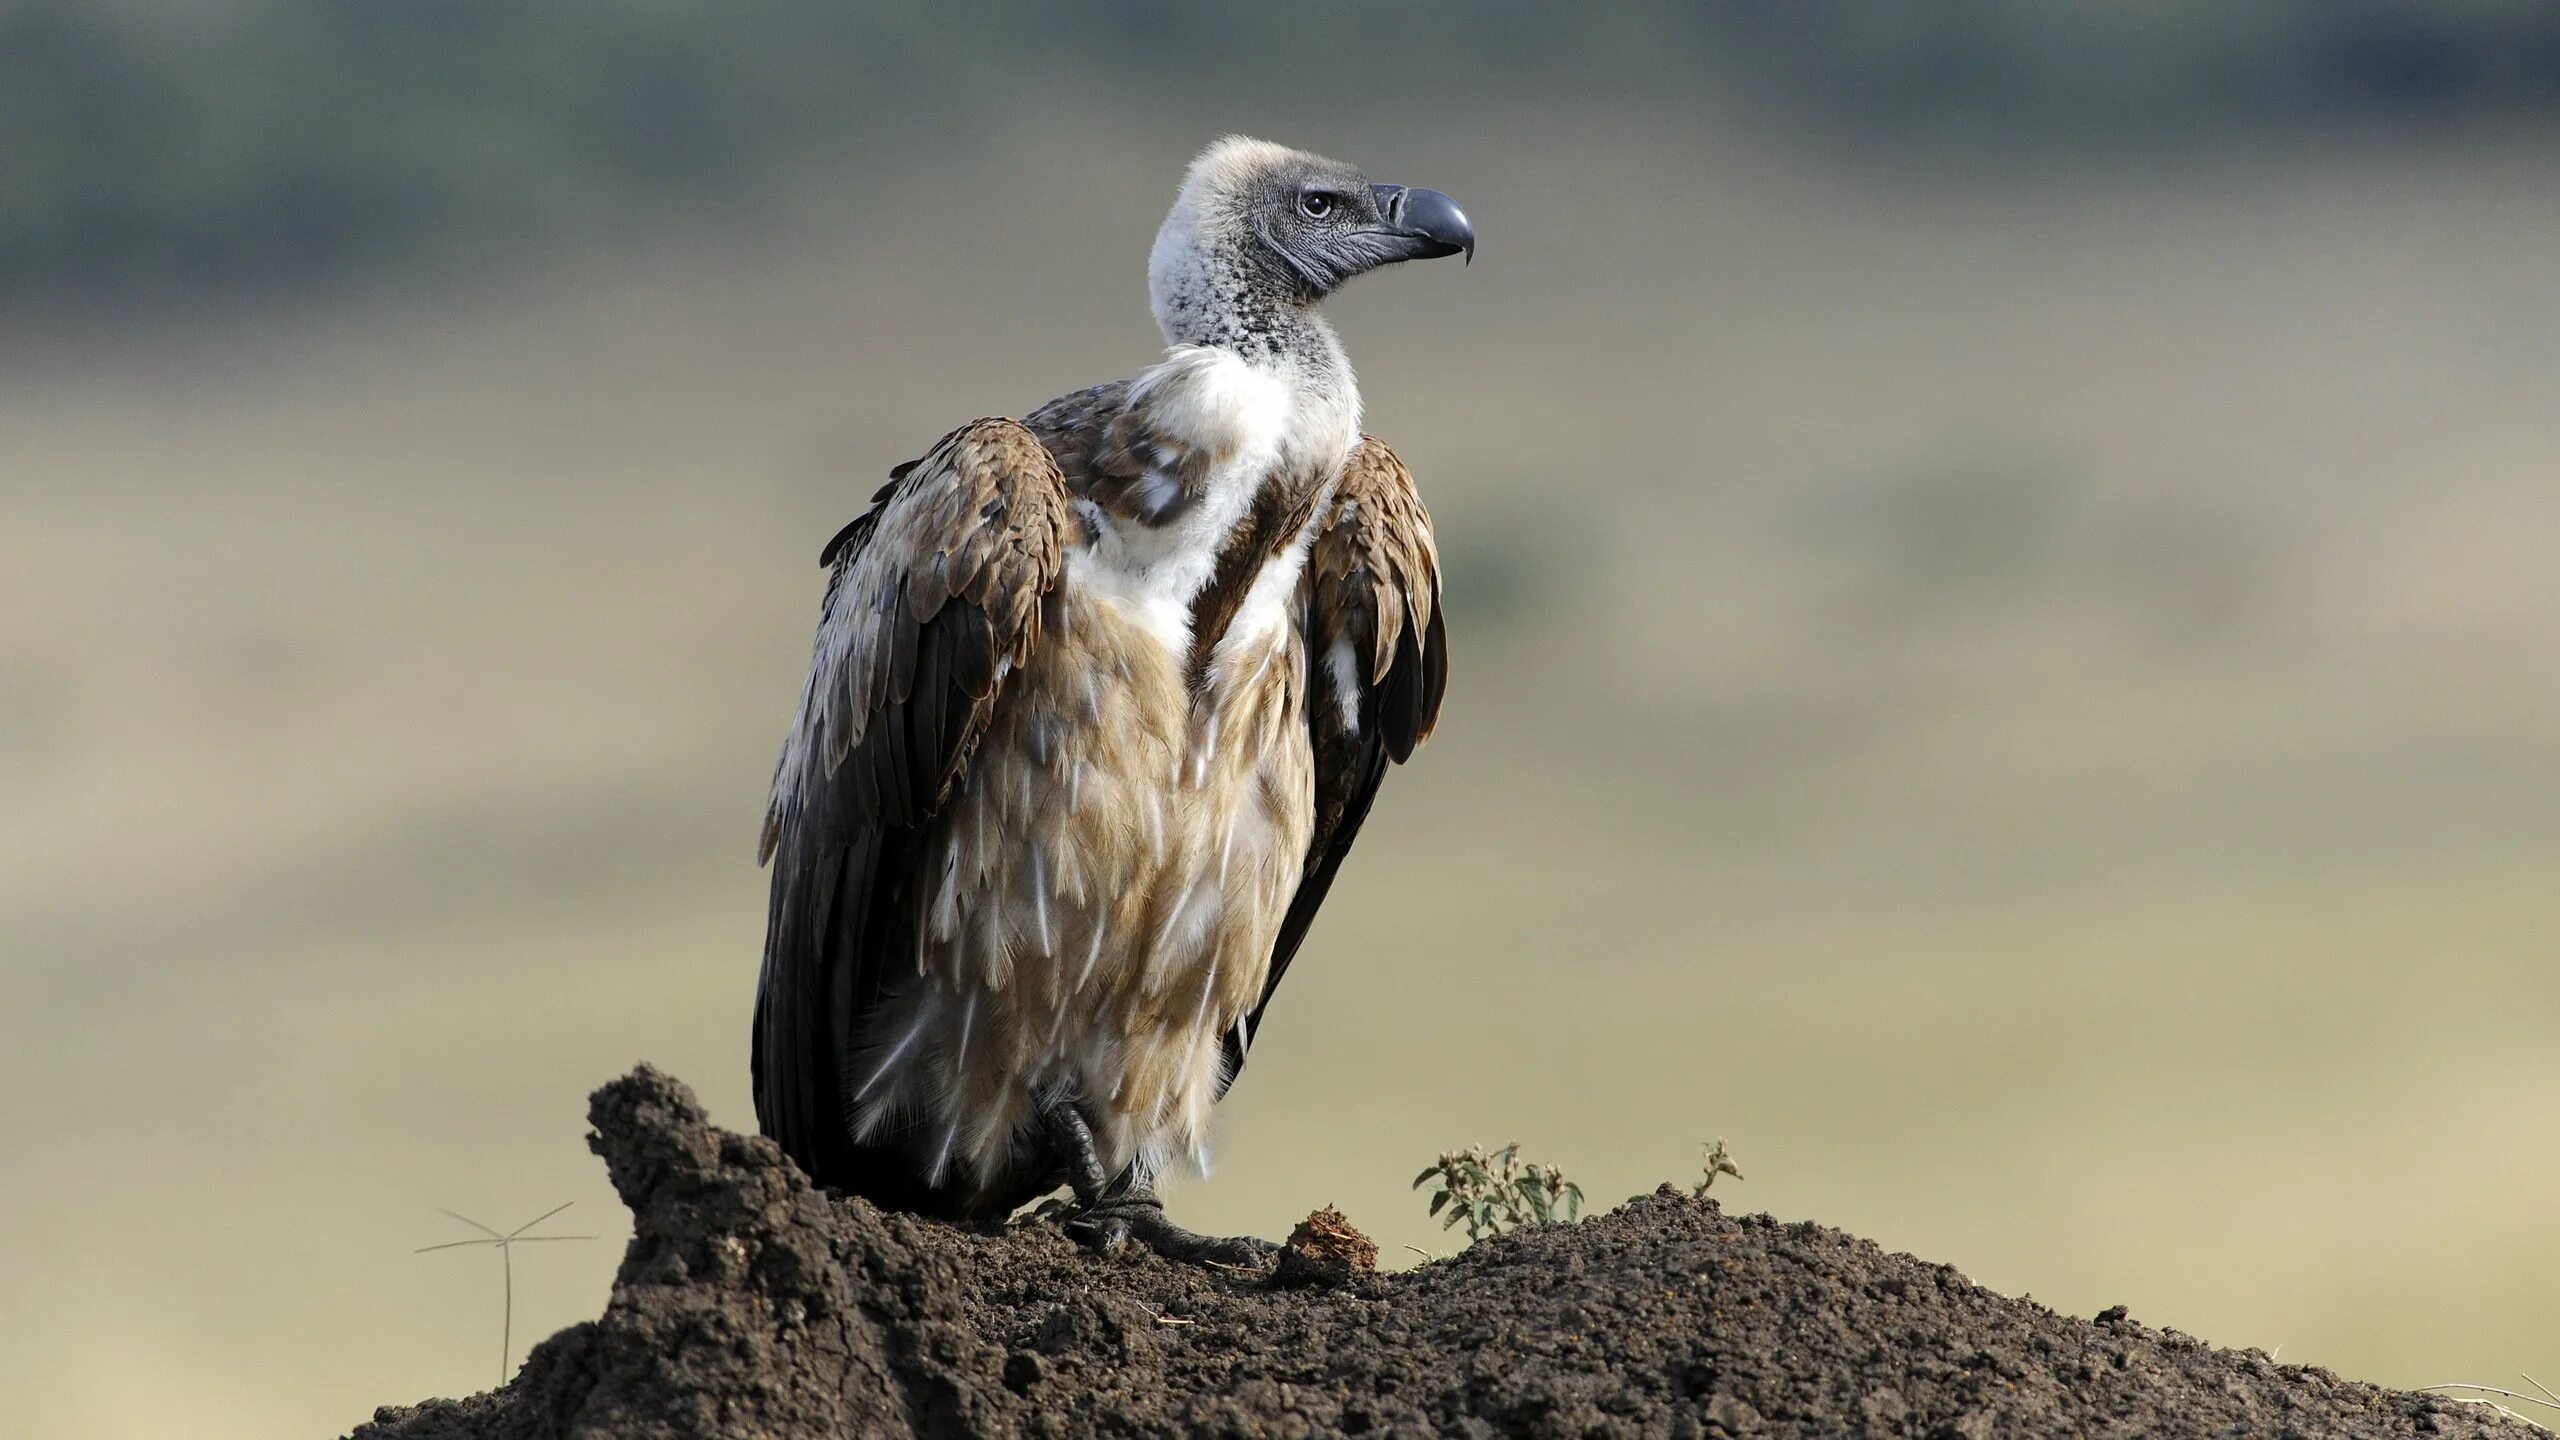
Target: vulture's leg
1114,1211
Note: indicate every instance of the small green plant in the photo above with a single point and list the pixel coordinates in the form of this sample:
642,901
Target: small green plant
1719,1162
1490,1194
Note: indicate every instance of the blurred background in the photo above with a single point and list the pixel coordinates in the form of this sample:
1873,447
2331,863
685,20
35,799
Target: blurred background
2008,650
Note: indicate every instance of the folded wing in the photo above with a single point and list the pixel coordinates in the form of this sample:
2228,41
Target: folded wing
934,598
1378,662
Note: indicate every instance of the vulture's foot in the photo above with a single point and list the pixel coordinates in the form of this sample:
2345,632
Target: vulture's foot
1137,1217
1111,1212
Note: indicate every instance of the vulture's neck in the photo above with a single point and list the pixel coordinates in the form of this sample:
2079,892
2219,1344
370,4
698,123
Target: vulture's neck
1236,437
1216,299
1212,295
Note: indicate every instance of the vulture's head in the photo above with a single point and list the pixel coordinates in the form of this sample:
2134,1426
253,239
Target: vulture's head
1259,225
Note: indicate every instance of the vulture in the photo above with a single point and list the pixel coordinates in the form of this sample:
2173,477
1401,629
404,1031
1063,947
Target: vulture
1099,700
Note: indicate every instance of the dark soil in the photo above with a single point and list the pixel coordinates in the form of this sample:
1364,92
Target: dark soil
752,1305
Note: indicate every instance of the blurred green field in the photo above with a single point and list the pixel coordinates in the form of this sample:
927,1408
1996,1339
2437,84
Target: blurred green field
160,148
2026,703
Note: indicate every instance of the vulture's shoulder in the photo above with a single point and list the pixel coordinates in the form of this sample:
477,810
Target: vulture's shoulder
1373,578
1077,429
934,595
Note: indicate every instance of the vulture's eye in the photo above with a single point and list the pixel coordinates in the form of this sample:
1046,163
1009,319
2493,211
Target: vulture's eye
1315,204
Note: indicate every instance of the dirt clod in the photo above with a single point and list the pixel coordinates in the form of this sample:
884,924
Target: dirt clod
1324,1252
750,1304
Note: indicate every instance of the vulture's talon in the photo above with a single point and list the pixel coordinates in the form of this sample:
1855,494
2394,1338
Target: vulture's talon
1139,1219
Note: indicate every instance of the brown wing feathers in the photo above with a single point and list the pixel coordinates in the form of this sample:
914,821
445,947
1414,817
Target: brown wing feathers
1373,585
944,578
933,596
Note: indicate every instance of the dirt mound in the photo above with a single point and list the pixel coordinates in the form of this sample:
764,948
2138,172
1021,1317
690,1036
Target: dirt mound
750,1304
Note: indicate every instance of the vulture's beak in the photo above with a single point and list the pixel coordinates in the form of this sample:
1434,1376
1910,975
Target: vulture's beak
1427,223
